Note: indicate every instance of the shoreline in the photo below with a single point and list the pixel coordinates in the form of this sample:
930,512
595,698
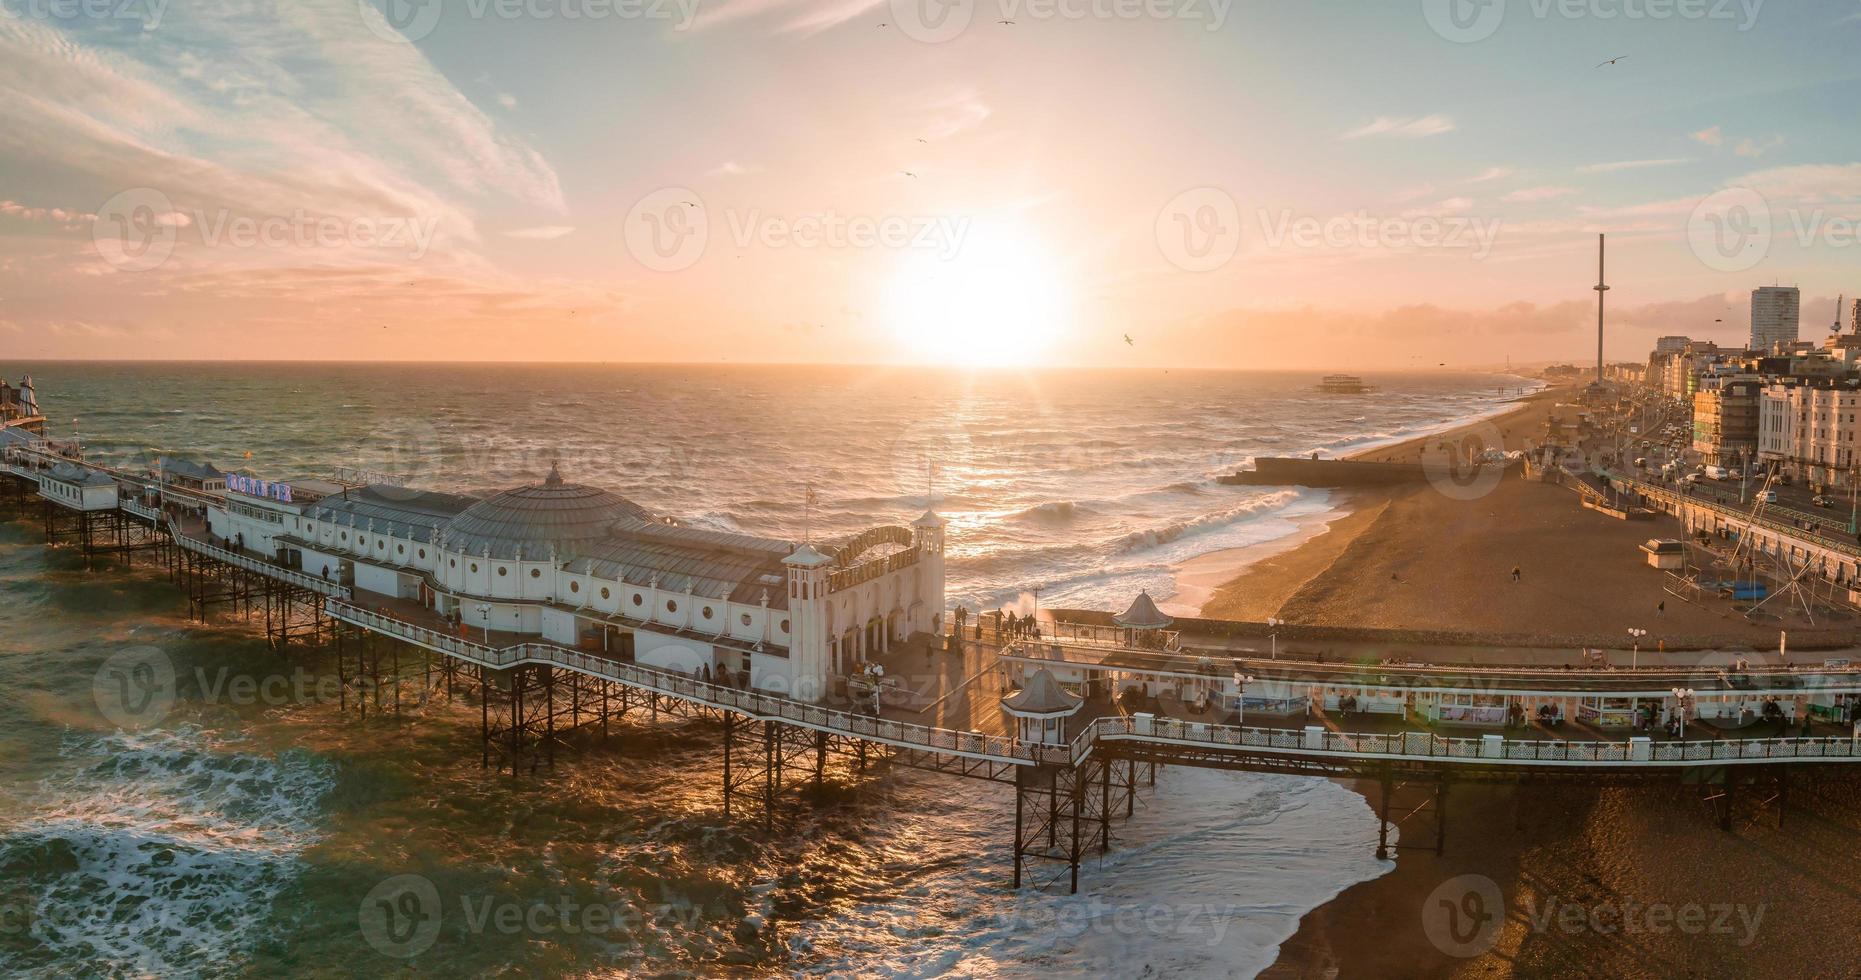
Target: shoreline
1258,574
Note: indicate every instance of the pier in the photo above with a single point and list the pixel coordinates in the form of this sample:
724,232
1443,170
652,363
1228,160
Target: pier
1076,720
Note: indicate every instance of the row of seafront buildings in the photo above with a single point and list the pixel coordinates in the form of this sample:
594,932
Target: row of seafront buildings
1781,402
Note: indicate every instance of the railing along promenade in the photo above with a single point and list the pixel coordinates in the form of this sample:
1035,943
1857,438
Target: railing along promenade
289,576
1809,538
1312,743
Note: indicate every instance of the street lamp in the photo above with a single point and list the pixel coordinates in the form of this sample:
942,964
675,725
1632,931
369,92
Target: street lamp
1274,625
1635,636
1240,696
1683,701
484,614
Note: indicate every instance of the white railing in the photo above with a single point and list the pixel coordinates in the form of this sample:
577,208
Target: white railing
1410,746
259,565
140,509
943,741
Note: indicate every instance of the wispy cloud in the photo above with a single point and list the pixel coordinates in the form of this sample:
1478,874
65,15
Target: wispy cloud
1618,165
731,168
1711,136
1490,174
1403,126
1753,150
1534,195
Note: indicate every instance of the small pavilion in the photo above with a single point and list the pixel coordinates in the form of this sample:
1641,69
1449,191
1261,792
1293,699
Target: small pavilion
1143,622
1040,709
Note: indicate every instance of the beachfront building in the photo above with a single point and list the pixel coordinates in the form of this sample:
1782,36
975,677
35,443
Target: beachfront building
1725,418
586,568
1809,430
19,407
189,475
1776,314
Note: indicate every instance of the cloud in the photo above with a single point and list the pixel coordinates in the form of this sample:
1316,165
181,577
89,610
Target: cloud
507,100
1807,184
1618,165
63,217
1754,150
1491,173
1534,195
731,168
543,232
1405,126
1712,136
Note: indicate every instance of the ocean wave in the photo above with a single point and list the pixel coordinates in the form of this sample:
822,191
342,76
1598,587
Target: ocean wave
1152,537
161,851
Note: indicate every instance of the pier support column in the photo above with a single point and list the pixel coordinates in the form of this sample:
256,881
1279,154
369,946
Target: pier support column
1382,819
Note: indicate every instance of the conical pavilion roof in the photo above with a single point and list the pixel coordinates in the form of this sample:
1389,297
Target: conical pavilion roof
1042,695
1143,614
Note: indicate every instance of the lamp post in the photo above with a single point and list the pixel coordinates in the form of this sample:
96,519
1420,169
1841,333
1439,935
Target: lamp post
484,615
1635,636
1240,696
1683,702
1274,625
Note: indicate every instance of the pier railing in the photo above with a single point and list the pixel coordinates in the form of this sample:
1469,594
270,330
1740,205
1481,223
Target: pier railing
1414,746
259,565
755,704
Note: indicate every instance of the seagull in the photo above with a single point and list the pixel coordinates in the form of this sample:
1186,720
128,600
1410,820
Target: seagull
1008,22
1611,61
1128,342
909,174
688,204
923,140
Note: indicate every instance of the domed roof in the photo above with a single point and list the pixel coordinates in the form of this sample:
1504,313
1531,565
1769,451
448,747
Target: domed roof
532,522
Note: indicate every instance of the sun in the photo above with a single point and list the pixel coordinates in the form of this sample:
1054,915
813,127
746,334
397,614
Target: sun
994,298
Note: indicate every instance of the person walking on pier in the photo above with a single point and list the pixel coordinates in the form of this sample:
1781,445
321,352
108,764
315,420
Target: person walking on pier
1515,573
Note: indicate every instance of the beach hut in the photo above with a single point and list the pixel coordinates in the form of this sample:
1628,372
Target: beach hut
1040,709
1143,622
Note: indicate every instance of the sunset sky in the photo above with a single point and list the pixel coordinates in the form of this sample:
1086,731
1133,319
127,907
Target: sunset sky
1389,184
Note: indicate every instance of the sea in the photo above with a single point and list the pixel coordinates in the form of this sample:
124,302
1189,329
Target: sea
256,828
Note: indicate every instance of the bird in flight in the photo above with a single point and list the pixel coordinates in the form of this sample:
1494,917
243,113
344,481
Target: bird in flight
1611,61
909,174
1128,342
923,140
1008,22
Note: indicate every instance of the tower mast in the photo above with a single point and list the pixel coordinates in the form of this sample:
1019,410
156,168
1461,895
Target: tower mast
1602,287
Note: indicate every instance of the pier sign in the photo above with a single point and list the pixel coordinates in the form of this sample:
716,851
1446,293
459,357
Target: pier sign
252,486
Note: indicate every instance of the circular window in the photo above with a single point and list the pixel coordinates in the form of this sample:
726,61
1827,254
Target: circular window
638,600
452,563
707,612
400,549
671,606
474,566
423,552
784,625
604,593
536,573
503,571
345,535
574,586
746,619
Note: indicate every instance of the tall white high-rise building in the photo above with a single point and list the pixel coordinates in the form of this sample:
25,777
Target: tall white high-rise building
1776,313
